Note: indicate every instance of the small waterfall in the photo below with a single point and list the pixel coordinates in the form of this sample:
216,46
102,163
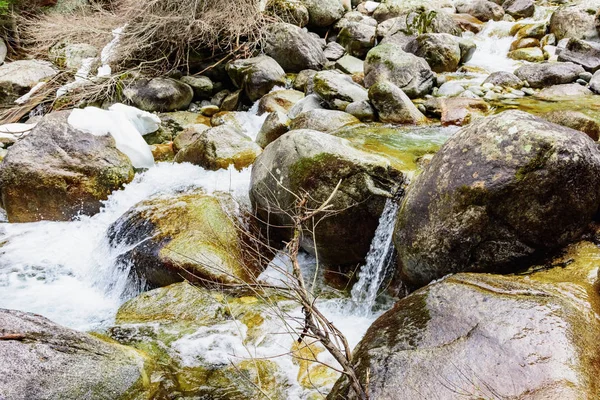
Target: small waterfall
378,260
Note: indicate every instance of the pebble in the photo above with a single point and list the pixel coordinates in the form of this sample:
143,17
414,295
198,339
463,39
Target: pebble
586,76
488,86
491,96
582,82
528,91
509,96
517,92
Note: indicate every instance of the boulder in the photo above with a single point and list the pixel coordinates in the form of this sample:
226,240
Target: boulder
357,38
595,83
548,74
202,86
499,194
303,78
504,79
531,54
363,110
3,51
519,8
483,10
350,65
188,136
482,336
310,102
71,56
314,162
256,76
334,51
291,12
42,360
323,13
276,124
468,22
524,43
393,105
457,111
338,90
575,120
586,54
294,49
218,148
322,120
441,51
410,73
279,100
19,77
389,9
191,236
159,94
574,22
563,92
58,172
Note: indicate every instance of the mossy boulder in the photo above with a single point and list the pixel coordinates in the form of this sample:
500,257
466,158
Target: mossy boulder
337,89
57,172
441,51
159,94
501,193
323,120
488,336
291,12
218,148
42,360
393,105
357,38
574,21
305,161
279,100
483,10
410,73
575,120
191,236
548,74
276,124
19,77
188,136
256,76
323,13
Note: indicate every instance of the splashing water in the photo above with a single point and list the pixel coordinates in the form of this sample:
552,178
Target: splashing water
67,272
372,274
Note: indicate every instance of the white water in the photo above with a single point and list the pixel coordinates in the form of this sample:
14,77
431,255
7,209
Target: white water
372,274
66,270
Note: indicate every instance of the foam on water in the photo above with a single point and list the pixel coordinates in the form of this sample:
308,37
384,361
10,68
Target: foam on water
66,271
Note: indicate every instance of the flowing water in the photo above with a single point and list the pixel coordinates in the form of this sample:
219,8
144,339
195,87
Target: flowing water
66,271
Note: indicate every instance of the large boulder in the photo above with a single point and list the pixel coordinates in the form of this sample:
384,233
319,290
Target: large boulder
483,10
322,120
441,51
218,148
19,77
57,172
357,38
574,22
499,194
159,94
338,90
504,79
312,162
586,54
279,100
191,236
548,74
294,49
481,336
564,92
42,360
410,73
291,12
575,120
323,13
393,105
256,76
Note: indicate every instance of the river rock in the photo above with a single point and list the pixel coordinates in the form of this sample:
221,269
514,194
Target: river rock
519,8
294,49
531,54
562,92
389,9
279,100
159,94
276,124
190,236
410,73
595,83
334,51
548,74
291,12
586,54
457,111
468,22
575,120
202,86
19,77
504,79
363,110
256,76
323,13
310,102
357,38
3,51
441,51
72,55
57,172
338,90
574,21
188,136
315,162
486,336
350,65
499,194
483,10
393,105
218,148
42,360
323,120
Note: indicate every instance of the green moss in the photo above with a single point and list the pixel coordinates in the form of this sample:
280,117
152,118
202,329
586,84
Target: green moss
543,153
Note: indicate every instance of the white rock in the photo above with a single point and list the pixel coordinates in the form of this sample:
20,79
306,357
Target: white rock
3,51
